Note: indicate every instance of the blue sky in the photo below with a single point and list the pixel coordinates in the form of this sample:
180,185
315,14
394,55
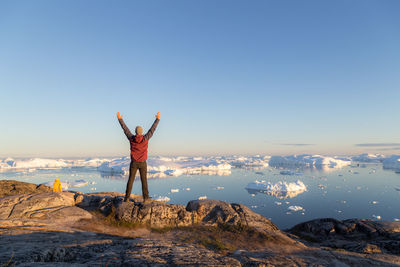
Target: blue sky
229,77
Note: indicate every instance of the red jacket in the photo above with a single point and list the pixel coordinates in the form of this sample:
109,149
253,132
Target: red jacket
139,143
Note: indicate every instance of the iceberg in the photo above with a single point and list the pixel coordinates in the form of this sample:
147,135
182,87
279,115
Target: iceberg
116,166
280,190
251,162
370,158
308,161
392,163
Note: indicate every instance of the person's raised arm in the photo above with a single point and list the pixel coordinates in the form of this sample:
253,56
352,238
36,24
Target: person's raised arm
124,127
150,133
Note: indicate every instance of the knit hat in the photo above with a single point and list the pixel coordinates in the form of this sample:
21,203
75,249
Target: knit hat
139,130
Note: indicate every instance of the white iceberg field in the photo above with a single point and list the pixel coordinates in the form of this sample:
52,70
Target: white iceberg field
42,163
160,167
280,189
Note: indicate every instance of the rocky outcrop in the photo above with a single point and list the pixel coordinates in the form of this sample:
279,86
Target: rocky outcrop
11,188
358,235
197,212
28,219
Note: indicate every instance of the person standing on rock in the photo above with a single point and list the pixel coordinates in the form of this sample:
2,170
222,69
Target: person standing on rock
139,144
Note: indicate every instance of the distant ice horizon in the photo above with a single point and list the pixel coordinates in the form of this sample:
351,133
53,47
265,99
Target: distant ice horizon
167,166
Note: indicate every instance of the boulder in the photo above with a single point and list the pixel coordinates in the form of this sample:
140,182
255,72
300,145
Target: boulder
214,212
359,235
197,212
322,229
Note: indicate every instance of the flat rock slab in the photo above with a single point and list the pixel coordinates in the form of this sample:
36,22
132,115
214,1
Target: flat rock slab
89,249
34,206
49,210
26,248
11,188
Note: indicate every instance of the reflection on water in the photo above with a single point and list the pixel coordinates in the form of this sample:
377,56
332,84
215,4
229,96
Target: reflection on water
277,194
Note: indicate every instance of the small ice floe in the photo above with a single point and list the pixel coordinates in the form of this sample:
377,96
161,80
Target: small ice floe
358,187
202,198
278,203
163,198
320,186
93,182
174,190
343,201
295,208
287,202
93,188
254,207
79,183
338,211
377,217
252,195
374,202
187,188
219,188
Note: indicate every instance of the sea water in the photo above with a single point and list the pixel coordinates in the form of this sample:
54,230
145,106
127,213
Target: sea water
357,191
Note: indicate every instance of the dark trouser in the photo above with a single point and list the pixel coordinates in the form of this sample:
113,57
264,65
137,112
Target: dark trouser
142,166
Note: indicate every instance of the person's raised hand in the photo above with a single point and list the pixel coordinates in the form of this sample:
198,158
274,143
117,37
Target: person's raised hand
158,116
119,116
